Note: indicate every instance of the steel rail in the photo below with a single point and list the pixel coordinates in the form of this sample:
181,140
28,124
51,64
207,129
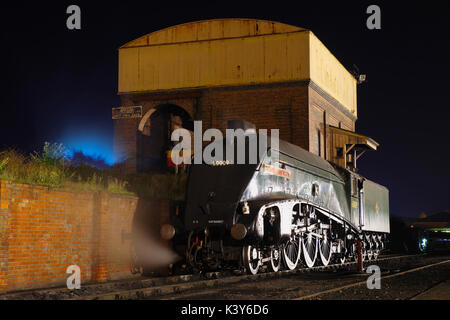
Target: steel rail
171,284
365,281
218,278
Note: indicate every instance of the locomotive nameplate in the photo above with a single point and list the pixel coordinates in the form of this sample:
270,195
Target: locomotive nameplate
276,171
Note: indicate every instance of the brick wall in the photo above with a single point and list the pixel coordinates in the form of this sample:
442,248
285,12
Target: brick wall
276,107
283,107
125,137
298,110
43,231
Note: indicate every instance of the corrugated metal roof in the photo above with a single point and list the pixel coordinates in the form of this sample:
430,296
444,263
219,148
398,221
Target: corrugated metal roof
212,29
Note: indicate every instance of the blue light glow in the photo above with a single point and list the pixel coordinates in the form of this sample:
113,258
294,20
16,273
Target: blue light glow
96,144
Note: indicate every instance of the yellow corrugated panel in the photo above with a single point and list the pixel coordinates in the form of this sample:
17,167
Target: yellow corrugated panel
212,29
129,70
250,68
235,61
329,74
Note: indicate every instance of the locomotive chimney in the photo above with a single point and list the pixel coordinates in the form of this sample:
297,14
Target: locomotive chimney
248,127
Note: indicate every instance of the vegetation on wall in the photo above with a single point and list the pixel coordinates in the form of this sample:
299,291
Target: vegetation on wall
52,167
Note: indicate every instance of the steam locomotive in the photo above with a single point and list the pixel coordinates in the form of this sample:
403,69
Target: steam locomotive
290,207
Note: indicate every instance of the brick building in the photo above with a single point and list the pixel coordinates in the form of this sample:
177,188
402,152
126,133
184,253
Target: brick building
274,75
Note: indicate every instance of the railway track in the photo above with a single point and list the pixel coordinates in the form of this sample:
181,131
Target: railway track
363,283
163,286
427,277
216,279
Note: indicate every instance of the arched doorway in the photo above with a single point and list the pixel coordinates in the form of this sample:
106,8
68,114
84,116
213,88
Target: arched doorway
154,133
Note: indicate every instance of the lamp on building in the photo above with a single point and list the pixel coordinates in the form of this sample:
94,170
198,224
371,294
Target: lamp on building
361,78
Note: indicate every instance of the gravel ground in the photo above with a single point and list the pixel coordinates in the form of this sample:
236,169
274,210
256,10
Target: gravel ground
403,287
285,286
400,287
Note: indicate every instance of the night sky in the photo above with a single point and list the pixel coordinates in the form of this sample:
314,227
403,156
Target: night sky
59,85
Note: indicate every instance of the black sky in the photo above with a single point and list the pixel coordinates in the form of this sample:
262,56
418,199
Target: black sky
56,81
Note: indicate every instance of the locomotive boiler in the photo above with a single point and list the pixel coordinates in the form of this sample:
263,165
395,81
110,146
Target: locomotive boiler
290,207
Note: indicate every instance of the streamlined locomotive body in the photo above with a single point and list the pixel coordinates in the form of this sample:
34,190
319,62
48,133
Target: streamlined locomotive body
290,206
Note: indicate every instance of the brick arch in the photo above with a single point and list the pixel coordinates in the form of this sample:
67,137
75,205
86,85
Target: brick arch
147,116
154,132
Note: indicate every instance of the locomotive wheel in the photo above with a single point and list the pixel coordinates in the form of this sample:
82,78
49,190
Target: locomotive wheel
342,259
381,244
194,259
195,252
325,249
275,259
376,253
309,245
369,250
251,259
339,258
376,249
291,253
